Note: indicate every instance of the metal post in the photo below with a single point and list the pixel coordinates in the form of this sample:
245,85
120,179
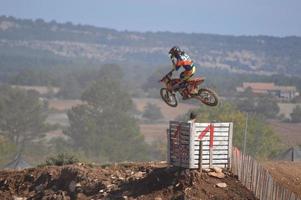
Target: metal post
168,146
245,134
211,145
200,155
210,156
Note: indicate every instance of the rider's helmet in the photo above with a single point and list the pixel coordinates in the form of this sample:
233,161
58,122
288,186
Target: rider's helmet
174,52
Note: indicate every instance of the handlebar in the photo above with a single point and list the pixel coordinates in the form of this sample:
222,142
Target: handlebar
168,74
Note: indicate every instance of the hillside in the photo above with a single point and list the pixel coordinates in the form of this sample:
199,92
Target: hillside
39,43
145,181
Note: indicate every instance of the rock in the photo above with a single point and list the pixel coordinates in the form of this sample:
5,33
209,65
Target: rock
158,198
19,198
139,175
221,185
207,170
29,178
217,169
81,196
78,185
217,175
39,188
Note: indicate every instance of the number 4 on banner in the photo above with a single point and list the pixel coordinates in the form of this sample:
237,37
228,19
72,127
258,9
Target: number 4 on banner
210,128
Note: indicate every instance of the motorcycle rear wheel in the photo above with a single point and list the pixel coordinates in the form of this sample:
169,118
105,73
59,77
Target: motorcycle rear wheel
168,97
207,96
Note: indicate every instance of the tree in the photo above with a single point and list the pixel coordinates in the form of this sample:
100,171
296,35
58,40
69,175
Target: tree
152,112
7,148
296,114
22,116
267,106
246,101
264,105
103,127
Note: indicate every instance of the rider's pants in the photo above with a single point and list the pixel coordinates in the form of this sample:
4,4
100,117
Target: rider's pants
185,75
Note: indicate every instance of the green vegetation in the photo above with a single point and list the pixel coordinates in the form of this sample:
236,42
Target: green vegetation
261,141
264,105
22,116
60,160
7,150
152,112
103,127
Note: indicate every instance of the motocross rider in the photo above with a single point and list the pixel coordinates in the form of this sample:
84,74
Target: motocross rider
180,59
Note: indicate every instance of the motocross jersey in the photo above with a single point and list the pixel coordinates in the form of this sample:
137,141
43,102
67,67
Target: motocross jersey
184,61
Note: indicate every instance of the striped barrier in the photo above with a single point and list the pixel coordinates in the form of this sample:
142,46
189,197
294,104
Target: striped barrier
199,145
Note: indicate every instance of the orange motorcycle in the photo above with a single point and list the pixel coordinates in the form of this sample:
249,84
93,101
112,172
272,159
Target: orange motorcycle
191,90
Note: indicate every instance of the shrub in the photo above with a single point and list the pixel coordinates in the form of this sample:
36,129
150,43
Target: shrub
61,159
152,112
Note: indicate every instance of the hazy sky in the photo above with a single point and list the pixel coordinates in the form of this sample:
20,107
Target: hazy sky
238,17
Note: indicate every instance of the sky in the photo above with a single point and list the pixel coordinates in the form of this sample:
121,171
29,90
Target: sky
226,17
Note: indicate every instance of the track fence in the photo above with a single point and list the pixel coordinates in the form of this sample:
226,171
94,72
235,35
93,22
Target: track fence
257,179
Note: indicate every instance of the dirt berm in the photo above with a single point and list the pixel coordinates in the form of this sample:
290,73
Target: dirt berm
154,180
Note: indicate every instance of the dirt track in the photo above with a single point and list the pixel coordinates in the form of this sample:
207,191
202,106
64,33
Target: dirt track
287,173
124,181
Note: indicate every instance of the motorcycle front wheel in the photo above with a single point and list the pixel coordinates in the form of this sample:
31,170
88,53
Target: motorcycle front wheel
168,97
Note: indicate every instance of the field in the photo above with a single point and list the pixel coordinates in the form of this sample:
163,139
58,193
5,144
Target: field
169,113
63,105
289,133
287,173
286,108
151,132
157,131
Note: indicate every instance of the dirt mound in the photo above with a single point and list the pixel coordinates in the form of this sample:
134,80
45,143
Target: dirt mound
123,181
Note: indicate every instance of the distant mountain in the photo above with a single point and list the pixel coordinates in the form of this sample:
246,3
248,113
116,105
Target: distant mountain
27,42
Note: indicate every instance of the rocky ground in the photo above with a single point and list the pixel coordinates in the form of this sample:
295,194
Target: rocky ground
145,181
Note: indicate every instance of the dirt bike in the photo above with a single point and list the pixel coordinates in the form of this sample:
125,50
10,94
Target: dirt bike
191,90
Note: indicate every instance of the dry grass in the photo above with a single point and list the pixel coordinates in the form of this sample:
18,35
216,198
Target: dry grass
63,105
157,131
168,112
289,133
